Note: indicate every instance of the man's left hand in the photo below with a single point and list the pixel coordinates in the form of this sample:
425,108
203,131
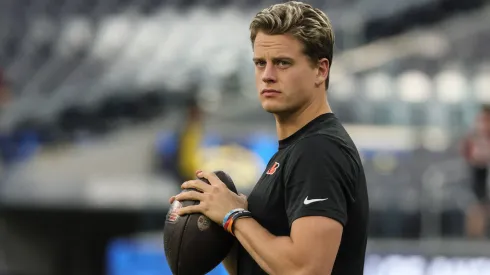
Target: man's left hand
216,200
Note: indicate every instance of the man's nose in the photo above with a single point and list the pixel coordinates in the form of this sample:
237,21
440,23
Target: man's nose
269,74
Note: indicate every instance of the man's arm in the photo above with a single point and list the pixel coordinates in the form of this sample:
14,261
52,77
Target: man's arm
311,249
230,262
320,182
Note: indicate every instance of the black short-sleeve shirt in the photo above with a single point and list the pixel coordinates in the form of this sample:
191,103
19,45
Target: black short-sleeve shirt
316,172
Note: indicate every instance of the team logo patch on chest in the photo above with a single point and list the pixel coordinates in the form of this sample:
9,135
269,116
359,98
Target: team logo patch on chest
273,168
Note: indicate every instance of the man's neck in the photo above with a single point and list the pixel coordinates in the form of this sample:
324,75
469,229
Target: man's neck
286,125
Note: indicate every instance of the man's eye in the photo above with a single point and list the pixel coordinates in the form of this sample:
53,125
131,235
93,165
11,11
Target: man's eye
283,63
259,63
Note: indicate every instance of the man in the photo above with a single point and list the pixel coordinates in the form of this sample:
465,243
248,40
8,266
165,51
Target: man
308,213
183,162
476,151
5,92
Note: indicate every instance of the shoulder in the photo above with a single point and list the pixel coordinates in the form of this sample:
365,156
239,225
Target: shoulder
326,152
330,134
324,144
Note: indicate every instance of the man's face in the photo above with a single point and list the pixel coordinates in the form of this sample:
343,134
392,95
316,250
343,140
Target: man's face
285,79
483,123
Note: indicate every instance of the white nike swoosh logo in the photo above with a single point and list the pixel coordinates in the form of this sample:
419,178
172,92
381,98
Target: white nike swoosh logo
307,201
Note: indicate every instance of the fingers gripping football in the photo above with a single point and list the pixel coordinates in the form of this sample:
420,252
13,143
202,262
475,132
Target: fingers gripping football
216,200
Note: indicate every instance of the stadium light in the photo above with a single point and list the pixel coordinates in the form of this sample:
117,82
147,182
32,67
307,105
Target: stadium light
379,86
450,86
414,86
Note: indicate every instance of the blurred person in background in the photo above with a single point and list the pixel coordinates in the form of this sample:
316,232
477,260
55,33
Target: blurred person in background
5,142
4,99
4,90
182,162
476,151
190,139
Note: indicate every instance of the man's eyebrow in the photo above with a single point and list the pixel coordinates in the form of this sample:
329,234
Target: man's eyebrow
274,59
280,58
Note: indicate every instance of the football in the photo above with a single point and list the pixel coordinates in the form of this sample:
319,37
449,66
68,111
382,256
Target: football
193,244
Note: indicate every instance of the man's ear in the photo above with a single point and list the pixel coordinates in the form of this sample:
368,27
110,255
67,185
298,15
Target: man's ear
322,71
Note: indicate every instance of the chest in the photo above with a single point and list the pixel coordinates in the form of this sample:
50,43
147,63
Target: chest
267,200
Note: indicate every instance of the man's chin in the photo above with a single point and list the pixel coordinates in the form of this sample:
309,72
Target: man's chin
279,110
272,109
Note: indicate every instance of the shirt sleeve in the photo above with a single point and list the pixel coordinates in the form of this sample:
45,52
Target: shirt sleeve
320,179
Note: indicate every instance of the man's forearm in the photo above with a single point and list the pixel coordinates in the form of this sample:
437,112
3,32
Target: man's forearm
275,255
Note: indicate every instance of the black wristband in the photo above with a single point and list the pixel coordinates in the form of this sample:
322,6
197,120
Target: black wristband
237,216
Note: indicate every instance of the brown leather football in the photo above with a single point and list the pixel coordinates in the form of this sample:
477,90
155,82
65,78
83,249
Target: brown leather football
193,244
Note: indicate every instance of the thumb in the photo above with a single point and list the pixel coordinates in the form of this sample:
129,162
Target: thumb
242,196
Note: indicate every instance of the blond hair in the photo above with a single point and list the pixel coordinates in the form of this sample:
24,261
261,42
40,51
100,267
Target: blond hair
309,25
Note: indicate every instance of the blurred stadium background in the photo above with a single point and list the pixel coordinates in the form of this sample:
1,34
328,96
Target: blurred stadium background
105,104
